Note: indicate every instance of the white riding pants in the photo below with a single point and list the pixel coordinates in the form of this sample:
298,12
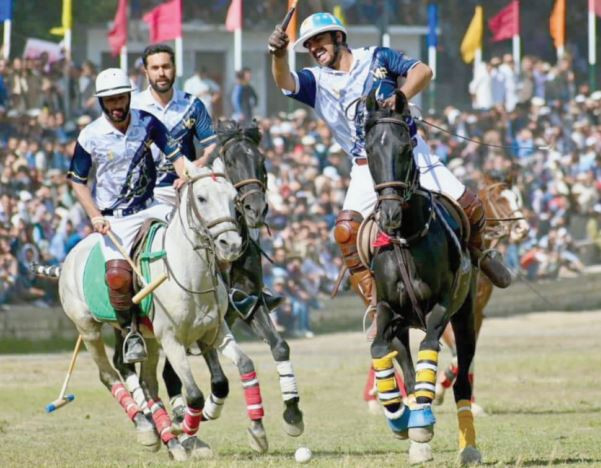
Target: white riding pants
166,195
433,175
125,228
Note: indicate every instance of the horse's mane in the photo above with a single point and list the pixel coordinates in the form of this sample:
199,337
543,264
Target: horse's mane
228,129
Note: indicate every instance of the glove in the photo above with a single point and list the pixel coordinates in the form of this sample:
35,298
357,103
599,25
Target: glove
278,42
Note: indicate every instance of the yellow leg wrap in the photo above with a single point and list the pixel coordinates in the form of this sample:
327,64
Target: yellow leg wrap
426,375
385,362
427,355
467,432
388,390
425,393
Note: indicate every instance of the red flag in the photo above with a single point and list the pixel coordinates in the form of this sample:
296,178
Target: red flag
117,36
506,23
165,21
596,6
557,23
234,16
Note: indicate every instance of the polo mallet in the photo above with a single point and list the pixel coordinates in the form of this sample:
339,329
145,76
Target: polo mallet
63,399
148,287
284,24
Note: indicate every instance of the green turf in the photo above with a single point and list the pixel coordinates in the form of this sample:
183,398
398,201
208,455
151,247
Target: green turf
537,375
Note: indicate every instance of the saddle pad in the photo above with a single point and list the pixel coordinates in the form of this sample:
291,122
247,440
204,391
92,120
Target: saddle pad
96,291
458,222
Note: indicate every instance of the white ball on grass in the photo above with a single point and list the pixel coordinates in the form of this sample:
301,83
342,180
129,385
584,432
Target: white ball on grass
302,455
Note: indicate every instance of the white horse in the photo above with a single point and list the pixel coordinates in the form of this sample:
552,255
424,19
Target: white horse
188,308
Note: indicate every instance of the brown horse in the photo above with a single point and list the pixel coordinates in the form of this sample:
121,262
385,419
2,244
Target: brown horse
504,222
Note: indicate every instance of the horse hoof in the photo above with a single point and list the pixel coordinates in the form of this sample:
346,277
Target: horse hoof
403,435
421,434
478,411
293,420
373,407
146,435
176,451
257,438
439,398
419,453
196,448
470,455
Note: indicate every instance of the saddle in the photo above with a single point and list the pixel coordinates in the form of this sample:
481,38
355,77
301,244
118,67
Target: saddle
94,286
444,205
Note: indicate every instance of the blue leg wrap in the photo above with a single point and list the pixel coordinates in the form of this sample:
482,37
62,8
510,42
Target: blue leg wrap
423,417
400,424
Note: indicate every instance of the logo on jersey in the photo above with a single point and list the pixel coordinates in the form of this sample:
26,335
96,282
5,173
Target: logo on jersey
380,73
189,123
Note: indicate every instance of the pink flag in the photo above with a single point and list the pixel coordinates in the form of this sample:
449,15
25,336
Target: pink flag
165,21
506,23
595,5
234,16
117,36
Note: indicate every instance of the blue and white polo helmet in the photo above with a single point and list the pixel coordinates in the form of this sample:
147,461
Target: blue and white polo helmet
316,24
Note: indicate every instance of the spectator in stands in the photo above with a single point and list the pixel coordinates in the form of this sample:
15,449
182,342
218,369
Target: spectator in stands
244,97
204,88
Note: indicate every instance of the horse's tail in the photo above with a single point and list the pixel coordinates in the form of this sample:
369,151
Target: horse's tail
45,270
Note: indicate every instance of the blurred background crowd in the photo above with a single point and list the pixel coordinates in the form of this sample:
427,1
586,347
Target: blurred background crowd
542,114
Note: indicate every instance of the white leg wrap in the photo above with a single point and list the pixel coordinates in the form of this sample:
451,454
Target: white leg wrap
287,380
176,401
212,408
133,385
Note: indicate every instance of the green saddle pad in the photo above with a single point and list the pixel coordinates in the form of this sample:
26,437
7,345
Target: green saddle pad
96,291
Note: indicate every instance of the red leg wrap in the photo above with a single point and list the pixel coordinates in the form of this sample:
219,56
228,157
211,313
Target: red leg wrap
161,419
192,419
369,389
400,383
449,376
252,394
125,400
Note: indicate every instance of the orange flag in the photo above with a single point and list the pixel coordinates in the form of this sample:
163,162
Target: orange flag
293,26
557,23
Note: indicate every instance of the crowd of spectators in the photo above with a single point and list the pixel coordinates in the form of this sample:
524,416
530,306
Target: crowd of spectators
549,123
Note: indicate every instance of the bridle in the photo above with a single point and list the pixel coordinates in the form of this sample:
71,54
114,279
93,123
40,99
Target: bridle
411,182
202,228
260,185
503,225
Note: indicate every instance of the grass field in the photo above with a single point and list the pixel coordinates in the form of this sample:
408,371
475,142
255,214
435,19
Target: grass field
538,376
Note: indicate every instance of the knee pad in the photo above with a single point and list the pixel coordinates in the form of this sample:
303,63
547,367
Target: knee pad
345,233
474,209
119,275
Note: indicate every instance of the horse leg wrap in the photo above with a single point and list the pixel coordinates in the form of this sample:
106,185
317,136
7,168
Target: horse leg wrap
467,432
287,380
133,385
192,419
369,391
161,419
386,383
425,381
252,395
449,375
125,400
212,408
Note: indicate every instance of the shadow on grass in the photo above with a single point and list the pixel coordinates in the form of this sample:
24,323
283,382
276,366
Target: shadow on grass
542,411
545,462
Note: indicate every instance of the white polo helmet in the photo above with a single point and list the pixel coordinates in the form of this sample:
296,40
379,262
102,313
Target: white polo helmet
316,24
111,82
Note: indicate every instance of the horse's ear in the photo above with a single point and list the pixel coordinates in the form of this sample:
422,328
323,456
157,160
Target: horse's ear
371,103
191,168
218,166
402,105
252,131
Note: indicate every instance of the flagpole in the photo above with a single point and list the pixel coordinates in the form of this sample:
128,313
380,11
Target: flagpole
6,45
179,57
123,59
592,46
432,43
516,52
238,49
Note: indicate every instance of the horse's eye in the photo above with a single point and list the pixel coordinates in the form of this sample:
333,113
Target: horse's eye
202,199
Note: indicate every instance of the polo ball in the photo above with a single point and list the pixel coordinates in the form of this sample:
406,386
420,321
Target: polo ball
302,455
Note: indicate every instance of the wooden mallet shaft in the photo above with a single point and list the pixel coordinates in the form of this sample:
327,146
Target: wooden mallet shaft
63,399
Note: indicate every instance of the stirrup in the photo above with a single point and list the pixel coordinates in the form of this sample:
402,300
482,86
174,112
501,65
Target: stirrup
134,357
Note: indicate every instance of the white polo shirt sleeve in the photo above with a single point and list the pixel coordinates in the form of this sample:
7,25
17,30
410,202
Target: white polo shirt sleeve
306,87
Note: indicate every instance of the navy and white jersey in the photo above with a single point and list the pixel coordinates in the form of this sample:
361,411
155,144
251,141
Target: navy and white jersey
186,117
124,166
335,94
